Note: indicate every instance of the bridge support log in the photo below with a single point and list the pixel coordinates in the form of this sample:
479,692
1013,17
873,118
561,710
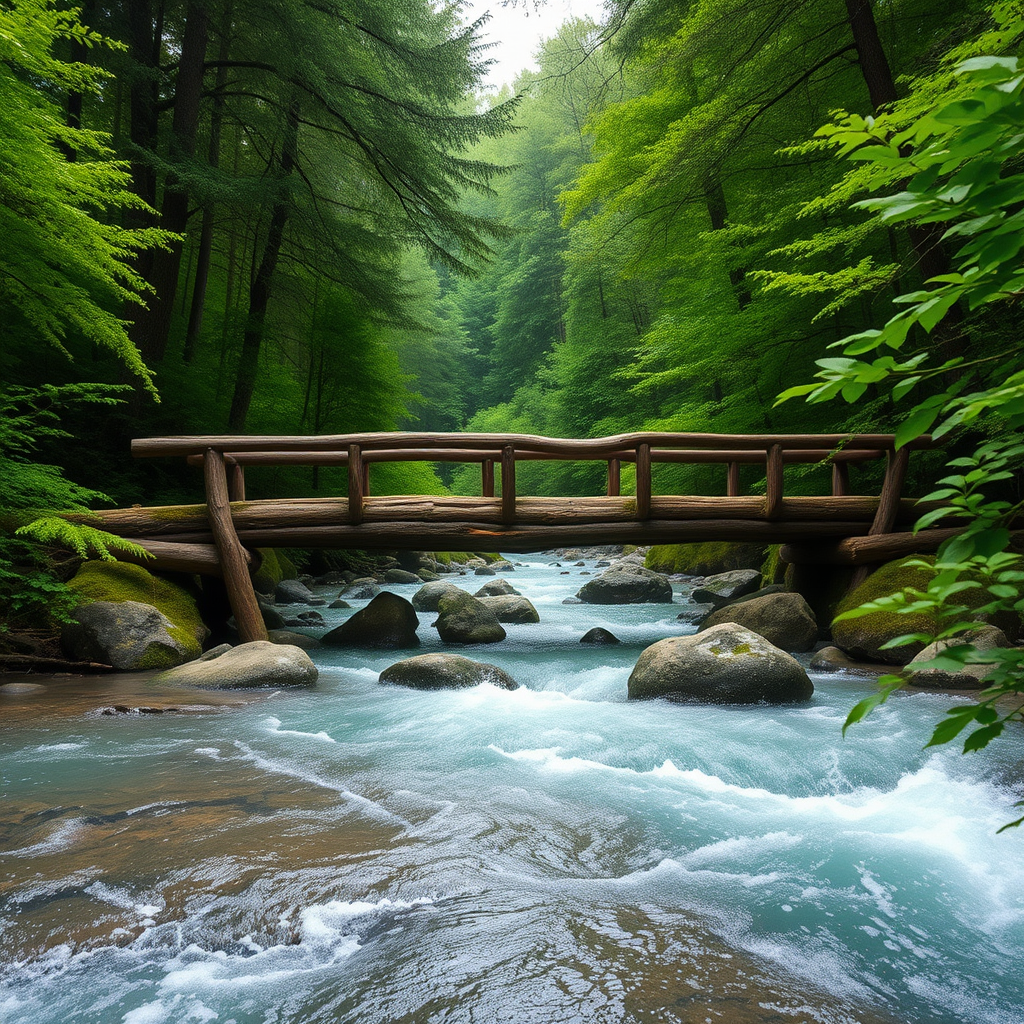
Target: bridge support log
356,481
773,482
869,550
643,481
233,560
169,556
508,484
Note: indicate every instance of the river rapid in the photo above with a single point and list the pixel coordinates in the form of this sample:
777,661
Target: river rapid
363,853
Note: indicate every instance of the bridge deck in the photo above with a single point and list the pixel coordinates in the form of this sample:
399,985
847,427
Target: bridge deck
216,536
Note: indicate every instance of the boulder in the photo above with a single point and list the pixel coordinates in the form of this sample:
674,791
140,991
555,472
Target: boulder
426,575
274,566
360,591
784,620
169,633
387,621
295,592
719,590
503,566
128,635
599,635
272,618
695,614
831,659
339,604
864,637
306,619
497,588
464,619
445,672
427,597
626,584
967,677
726,664
704,558
400,576
259,663
286,636
512,608
483,570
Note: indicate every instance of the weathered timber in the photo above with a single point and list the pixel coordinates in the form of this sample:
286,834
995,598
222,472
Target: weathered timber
732,479
614,477
236,482
589,448
643,481
840,478
355,484
169,522
866,550
774,483
508,484
696,456
167,556
470,536
892,488
487,478
234,564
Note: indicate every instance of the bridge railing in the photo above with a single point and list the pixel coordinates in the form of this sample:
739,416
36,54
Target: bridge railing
224,458
358,452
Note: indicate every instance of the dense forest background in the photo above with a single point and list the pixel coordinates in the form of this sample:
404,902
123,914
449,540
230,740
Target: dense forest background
640,235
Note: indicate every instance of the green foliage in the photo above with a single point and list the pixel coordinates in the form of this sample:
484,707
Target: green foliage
956,160
33,491
66,264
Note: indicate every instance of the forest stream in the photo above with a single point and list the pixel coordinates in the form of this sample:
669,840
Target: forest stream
355,852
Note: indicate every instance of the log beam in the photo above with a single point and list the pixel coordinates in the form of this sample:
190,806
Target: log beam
234,564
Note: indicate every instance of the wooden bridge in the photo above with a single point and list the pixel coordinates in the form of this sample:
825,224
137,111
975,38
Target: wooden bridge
218,536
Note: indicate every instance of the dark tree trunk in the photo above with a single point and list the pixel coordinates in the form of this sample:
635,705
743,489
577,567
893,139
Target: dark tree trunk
153,328
80,55
719,214
195,317
259,292
932,259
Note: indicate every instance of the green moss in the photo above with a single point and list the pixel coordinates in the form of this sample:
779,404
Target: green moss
863,635
269,574
122,581
742,649
770,565
704,559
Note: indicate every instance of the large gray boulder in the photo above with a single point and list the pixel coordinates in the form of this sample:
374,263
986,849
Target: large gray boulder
719,590
968,677
513,608
259,663
128,635
726,664
445,672
783,619
599,635
497,588
387,621
626,584
361,590
831,659
463,619
295,592
427,597
400,576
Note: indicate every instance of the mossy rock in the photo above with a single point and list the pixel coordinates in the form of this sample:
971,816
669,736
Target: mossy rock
121,582
704,559
864,636
275,566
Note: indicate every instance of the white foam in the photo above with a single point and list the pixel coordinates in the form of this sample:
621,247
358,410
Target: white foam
274,726
61,838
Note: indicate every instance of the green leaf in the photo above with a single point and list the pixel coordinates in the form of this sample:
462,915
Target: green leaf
918,423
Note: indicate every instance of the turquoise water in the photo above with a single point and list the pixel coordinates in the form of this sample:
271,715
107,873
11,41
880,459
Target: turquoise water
365,853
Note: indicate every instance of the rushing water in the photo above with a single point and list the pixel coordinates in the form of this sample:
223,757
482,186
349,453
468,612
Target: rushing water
370,854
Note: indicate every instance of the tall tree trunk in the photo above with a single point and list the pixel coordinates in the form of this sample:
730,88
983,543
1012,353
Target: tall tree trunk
195,316
79,54
153,328
259,292
718,213
932,259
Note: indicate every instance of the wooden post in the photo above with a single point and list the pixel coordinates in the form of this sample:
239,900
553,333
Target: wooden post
732,480
643,481
487,478
508,484
355,484
888,504
366,478
236,482
840,479
614,478
773,499
244,605
892,489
